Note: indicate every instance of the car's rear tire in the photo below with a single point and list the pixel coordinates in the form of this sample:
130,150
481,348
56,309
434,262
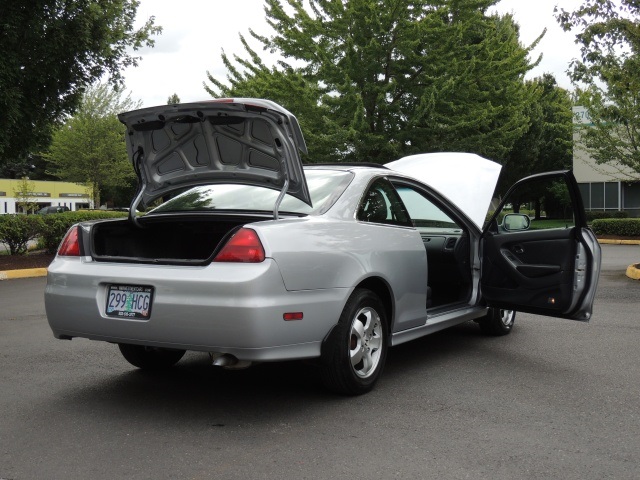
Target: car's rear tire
497,322
354,354
150,358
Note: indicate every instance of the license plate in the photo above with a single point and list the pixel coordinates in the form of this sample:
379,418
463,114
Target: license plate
129,301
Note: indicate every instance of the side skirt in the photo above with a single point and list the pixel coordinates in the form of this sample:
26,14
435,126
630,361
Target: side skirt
439,323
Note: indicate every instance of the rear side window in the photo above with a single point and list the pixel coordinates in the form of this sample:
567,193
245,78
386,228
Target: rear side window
381,204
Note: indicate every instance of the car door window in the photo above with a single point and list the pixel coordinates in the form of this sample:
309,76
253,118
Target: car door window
541,204
381,204
423,212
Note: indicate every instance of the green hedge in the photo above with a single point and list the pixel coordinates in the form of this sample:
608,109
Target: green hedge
56,225
17,230
626,227
597,215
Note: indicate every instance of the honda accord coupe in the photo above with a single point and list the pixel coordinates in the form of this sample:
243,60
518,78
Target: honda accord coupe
250,256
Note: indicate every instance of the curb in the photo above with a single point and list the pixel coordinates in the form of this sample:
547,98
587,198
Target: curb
633,271
609,241
24,273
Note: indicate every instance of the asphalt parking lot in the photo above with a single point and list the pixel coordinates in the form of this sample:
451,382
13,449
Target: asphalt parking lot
555,399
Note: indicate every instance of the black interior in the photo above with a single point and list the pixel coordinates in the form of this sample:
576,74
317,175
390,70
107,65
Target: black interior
448,260
531,268
165,241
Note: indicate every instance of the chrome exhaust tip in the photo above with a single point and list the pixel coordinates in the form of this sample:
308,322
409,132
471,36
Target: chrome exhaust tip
228,361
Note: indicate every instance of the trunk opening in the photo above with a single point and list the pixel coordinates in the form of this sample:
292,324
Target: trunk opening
164,240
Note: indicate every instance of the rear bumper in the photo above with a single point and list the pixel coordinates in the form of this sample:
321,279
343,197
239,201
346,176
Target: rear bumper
225,308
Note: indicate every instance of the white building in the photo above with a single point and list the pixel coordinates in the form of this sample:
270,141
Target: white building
603,187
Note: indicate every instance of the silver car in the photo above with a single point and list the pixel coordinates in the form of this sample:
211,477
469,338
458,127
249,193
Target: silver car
252,257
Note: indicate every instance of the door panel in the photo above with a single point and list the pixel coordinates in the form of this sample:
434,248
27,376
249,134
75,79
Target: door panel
532,268
547,265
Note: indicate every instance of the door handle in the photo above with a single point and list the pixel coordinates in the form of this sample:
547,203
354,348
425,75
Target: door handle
519,249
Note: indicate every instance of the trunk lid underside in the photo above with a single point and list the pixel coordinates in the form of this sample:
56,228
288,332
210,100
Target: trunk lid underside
242,141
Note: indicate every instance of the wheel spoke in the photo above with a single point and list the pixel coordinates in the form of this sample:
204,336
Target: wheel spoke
370,325
506,317
358,330
375,343
367,362
357,354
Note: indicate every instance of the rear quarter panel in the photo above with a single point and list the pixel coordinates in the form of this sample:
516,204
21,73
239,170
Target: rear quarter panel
315,253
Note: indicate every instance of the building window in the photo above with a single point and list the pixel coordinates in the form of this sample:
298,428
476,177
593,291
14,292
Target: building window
632,195
597,196
584,193
611,195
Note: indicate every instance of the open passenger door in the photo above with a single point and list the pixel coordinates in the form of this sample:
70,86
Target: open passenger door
538,255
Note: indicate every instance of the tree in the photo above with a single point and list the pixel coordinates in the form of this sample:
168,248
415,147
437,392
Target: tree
90,147
173,99
24,194
548,142
608,75
395,77
290,88
51,51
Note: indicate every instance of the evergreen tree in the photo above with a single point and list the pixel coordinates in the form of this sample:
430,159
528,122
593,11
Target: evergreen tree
173,99
387,78
290,88
548,142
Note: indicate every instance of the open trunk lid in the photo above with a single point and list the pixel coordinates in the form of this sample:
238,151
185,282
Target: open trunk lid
243,141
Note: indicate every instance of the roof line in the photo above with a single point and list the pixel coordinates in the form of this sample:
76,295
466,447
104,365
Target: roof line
346,164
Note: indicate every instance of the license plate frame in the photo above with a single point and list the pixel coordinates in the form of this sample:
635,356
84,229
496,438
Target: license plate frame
129,301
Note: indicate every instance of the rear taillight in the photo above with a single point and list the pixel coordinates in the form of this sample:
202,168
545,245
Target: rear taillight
243,247
70,246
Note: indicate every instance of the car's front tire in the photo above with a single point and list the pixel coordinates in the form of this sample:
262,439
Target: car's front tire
354,354
497,322
150,358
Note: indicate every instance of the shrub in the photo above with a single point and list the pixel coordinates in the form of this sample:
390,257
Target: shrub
597,215
56,225
16,231
626,227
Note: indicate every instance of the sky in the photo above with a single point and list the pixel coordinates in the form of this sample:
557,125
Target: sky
195,32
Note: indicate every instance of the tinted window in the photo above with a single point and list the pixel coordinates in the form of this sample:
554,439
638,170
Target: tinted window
632,195
611,195
381,204
597,195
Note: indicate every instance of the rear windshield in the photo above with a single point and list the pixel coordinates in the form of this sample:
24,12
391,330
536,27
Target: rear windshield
325,186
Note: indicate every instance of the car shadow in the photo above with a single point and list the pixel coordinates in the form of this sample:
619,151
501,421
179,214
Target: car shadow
194,391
